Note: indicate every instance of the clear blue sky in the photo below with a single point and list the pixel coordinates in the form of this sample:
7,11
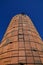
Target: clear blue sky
9,8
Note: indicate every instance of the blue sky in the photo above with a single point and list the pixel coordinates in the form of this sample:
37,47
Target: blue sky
9,8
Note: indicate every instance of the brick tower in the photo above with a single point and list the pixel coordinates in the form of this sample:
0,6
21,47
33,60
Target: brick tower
21,44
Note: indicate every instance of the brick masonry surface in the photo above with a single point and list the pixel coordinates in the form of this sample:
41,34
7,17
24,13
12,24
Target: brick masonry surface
21,44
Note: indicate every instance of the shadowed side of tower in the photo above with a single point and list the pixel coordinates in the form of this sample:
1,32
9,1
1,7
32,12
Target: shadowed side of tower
21,44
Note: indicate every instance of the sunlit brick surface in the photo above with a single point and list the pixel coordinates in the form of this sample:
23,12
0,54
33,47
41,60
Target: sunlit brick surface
21,44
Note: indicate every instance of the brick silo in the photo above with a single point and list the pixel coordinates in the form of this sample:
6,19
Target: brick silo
21,44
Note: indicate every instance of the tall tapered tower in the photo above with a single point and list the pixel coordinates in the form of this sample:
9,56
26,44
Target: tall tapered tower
21,44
